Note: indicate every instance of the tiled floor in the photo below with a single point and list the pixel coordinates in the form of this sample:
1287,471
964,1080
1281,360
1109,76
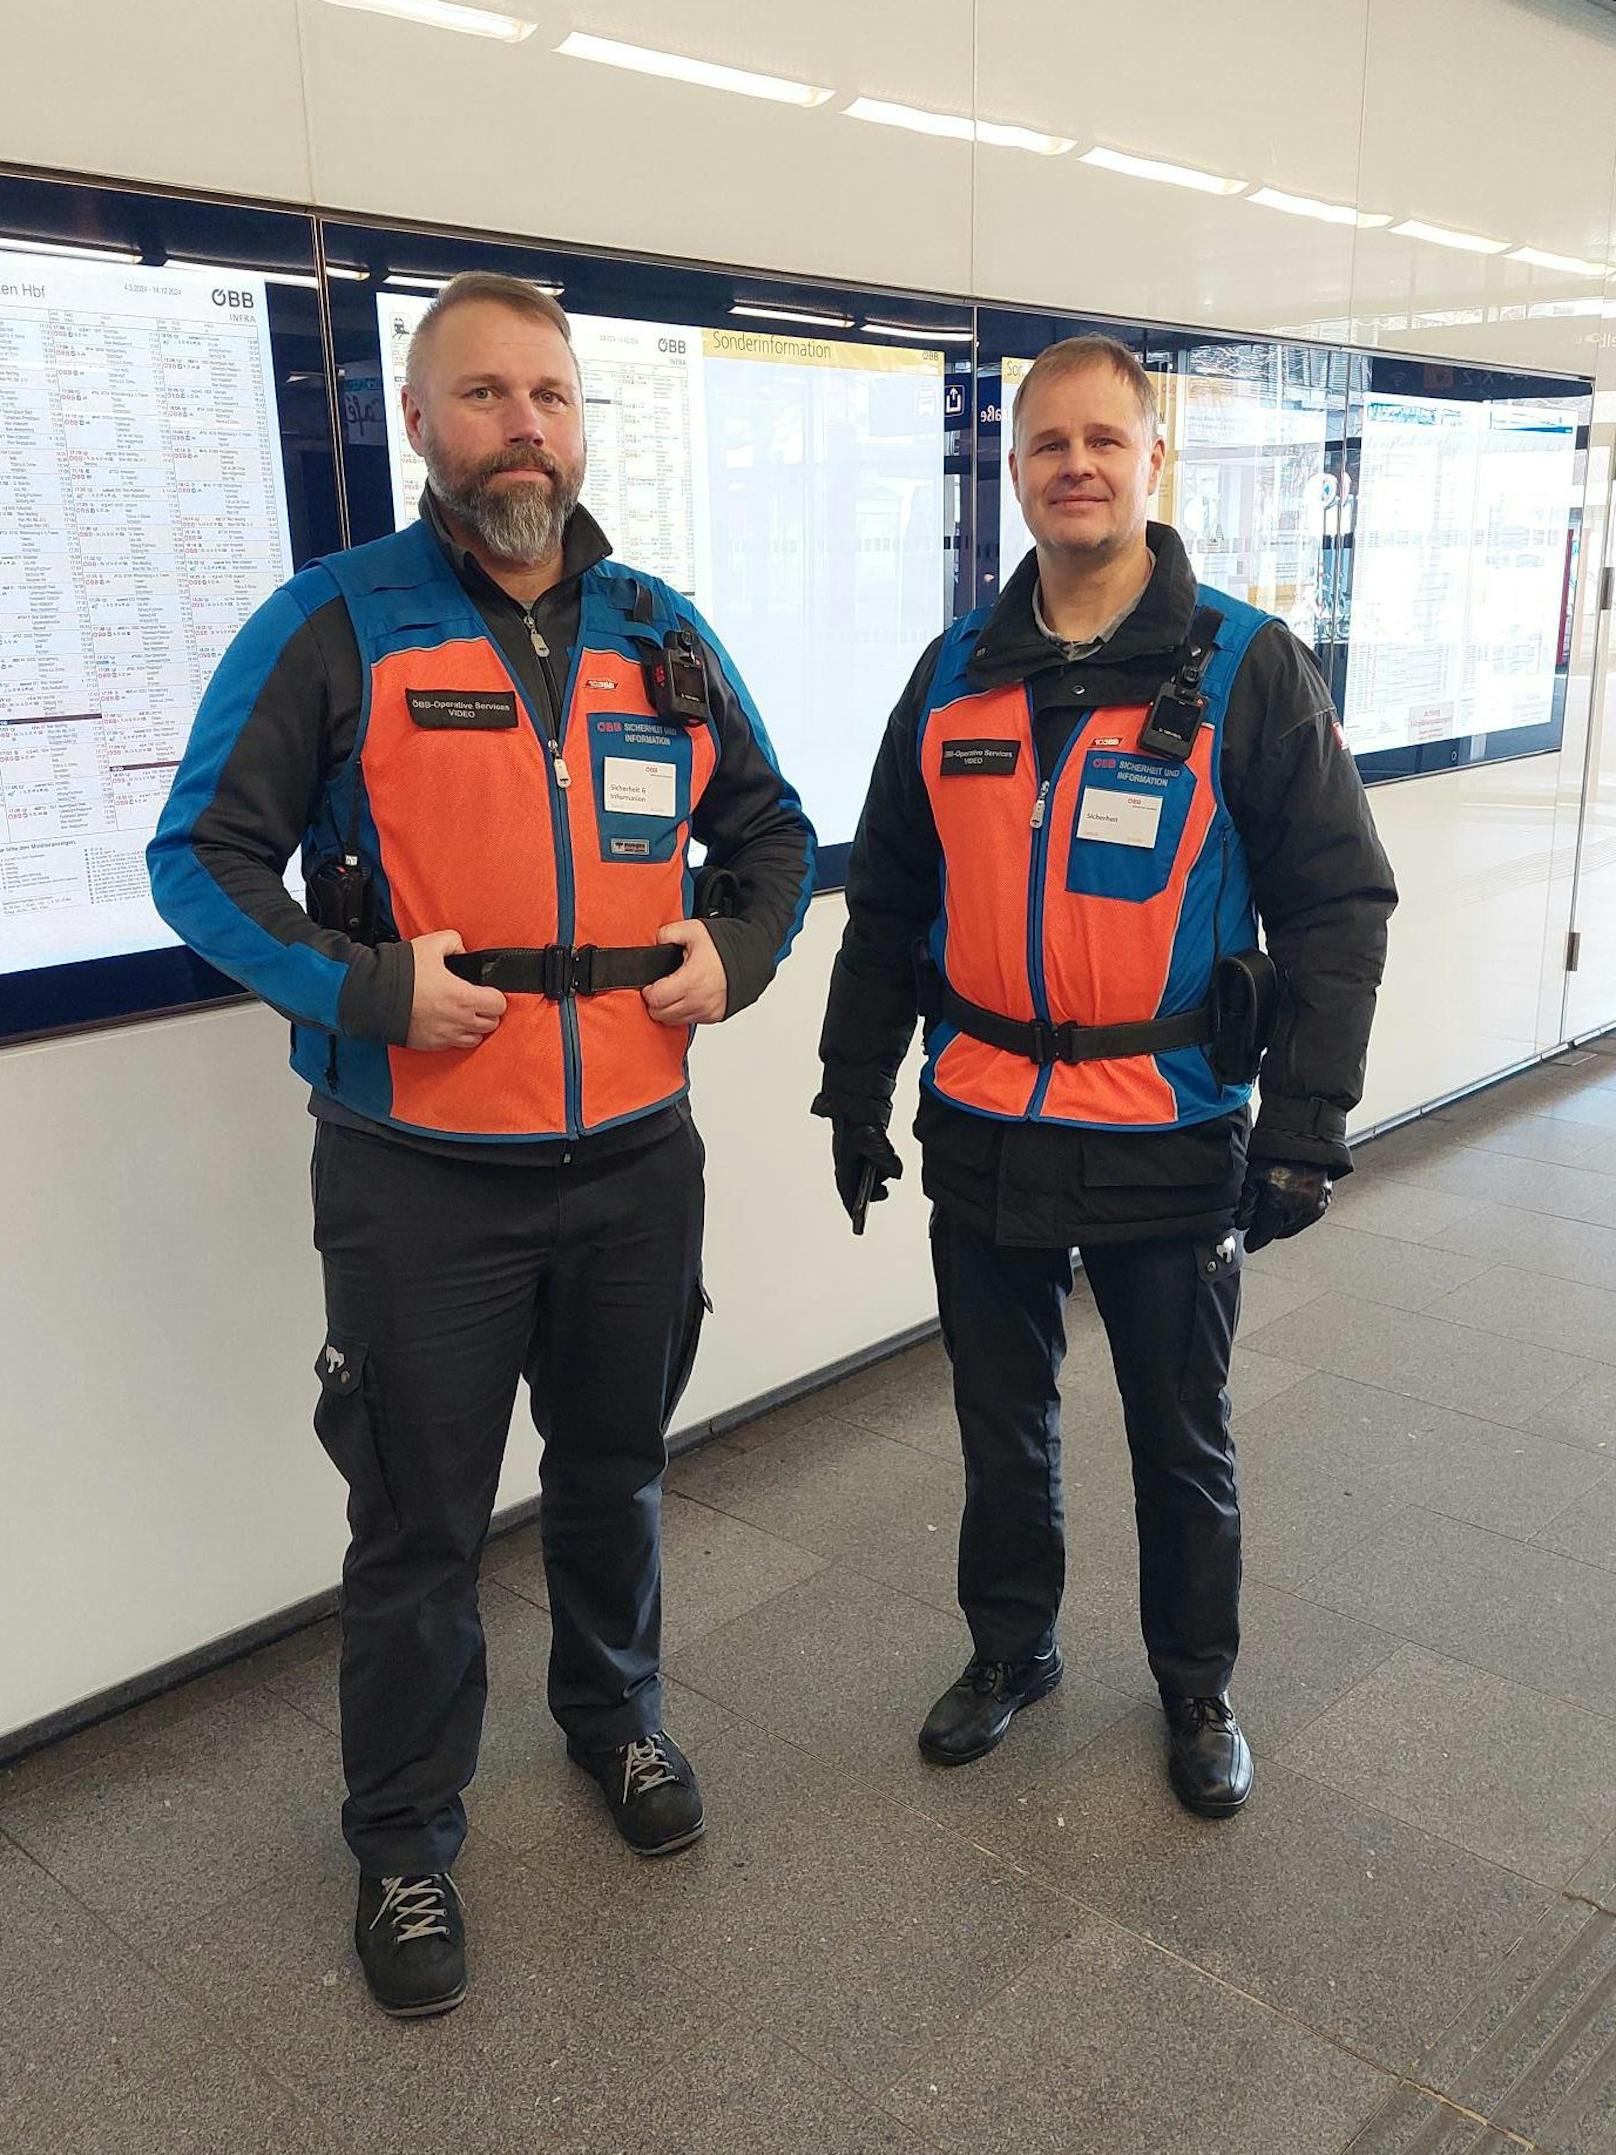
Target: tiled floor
1406,1946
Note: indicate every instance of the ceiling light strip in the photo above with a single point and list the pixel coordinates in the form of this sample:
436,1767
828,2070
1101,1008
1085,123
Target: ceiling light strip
679,67
448,15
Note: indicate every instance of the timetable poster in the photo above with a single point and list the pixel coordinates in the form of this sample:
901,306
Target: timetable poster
142,519
791,486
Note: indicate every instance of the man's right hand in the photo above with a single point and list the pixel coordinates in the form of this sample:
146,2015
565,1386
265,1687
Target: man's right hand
448,1012
853,1146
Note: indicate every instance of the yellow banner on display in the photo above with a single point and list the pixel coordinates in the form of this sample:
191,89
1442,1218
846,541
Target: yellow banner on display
819,352
1170,405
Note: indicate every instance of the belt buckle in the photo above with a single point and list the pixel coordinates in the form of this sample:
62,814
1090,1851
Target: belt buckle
1044,1044
582,980
556,971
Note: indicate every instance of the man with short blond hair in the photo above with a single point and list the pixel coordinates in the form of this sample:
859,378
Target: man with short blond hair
1088,795
1075,355
494,747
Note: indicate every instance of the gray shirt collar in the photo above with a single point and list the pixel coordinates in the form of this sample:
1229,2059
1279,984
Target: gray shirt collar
1087,650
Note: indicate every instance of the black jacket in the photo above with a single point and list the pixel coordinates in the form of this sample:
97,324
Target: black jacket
1324,893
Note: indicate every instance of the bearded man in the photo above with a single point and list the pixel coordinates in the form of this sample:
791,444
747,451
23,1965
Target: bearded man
494,747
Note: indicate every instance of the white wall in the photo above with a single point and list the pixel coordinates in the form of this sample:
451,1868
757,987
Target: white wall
161,1316
1592,998
160,1310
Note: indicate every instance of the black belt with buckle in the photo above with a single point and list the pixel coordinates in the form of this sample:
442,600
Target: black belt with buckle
557,970
1044,1044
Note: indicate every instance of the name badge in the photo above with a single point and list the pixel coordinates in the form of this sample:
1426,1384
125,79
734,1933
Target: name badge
469,710
1120,819
980,759
634,788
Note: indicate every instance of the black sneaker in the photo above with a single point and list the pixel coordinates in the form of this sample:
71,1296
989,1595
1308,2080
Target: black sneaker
650,1790
1209,1763
973,1714
411,1938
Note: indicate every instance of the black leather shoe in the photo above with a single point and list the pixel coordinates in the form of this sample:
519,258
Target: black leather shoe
411,1937
1209,1763
973,1714
650,1790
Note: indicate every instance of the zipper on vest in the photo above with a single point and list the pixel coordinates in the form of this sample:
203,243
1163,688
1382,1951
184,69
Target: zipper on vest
1035,901
1035,906
551,738
1036,873
548,723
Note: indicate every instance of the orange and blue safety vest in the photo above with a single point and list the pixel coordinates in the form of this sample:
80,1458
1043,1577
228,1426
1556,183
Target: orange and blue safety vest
465,815
1100,894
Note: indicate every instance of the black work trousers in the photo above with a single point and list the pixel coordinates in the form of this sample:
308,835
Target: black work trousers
446,1280
1170,1309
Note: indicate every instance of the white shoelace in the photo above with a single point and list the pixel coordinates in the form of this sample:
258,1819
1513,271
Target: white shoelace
417,1906
645,1766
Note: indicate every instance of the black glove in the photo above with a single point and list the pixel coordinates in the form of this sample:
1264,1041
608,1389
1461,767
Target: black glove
1280,1199
853,1147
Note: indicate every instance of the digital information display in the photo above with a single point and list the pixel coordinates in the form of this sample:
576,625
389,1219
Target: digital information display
1459,572
792,487
142,518
1417,528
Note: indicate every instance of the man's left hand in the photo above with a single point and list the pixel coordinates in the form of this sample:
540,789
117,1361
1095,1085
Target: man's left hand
1279,1199
698,994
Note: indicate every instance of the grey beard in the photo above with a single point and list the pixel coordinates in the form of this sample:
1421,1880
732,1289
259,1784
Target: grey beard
517,523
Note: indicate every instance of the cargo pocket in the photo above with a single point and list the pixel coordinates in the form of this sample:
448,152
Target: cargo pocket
346,1423
1215,1314
685,1361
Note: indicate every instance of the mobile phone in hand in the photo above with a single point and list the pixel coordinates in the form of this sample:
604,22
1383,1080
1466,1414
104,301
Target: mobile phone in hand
861,1202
